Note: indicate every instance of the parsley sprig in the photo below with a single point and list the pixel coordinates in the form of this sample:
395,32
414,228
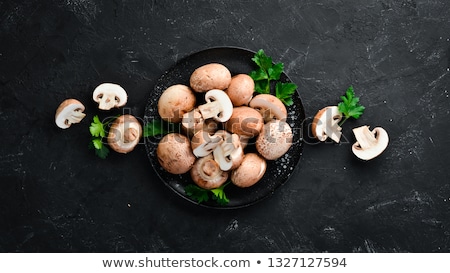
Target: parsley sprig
201,195
158,127
268,71
98,131
349,106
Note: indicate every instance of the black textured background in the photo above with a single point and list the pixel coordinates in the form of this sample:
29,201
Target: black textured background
57,196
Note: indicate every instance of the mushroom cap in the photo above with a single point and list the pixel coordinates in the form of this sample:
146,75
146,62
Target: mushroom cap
109,95
203,143
124,134
175,154
274,140
68,112
326,124
210,76
269,106
175,101
251,170
207,174
241,89
245,121
218,106
369,144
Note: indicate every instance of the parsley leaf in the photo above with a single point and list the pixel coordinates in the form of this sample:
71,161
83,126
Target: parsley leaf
349,106
96,128
157,127
98,132
202,195
267,72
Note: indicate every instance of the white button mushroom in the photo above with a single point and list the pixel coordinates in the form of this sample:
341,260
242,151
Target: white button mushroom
251,170
175,154
326,124
124,134
218,106
369,144
109,95
269,106
274,140
229,153
207,174
70,111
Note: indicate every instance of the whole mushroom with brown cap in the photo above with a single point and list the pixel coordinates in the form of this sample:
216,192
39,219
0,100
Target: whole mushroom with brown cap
175,101
269,106
241,89
251,170
210,76
245,121
175,154
124,134
70,111
207,174
369,144
109,95
274,140
229,153
326,124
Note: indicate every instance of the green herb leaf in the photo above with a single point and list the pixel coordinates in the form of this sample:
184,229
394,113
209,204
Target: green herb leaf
284,92
195,192
96,128
157,127
102,152
97,142
219,194
350,107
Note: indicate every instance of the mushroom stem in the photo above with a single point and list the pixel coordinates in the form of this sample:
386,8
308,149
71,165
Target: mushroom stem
210,109
76,117
365,137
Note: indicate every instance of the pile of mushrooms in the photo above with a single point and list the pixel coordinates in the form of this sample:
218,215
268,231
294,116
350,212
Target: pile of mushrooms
219,115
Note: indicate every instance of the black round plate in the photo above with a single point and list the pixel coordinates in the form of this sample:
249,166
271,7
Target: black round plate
237,60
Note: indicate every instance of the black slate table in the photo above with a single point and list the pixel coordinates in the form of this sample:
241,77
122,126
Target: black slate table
57,196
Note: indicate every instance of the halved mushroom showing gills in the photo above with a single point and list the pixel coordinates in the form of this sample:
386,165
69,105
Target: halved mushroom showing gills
207,174
369,144
251,170
124,134
204,143
269,106
109,95
218,106
326,124
175,154
229,153
69,112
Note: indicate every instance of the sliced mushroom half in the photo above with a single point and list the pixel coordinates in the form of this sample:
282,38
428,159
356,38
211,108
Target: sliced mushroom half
69,112
203,143
229,153
218,106
124,134
109,95
326,124
369,144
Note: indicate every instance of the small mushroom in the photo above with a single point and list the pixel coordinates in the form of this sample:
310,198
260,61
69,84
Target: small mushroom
251,170
269,106
229,153
109,95
70,111
203,143
175,101
274,140
326,124
241,89
218,106
124,134
369,144
207,174
245,121
175,154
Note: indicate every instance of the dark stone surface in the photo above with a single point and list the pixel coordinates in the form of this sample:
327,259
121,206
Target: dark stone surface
57,196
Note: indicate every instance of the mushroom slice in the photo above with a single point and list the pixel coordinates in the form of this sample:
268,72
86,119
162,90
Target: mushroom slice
251,170
326,124
274,140
269,106
229,153
175,154
109,95
218,106
207,174
203,143
124,134
69,112
369,144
